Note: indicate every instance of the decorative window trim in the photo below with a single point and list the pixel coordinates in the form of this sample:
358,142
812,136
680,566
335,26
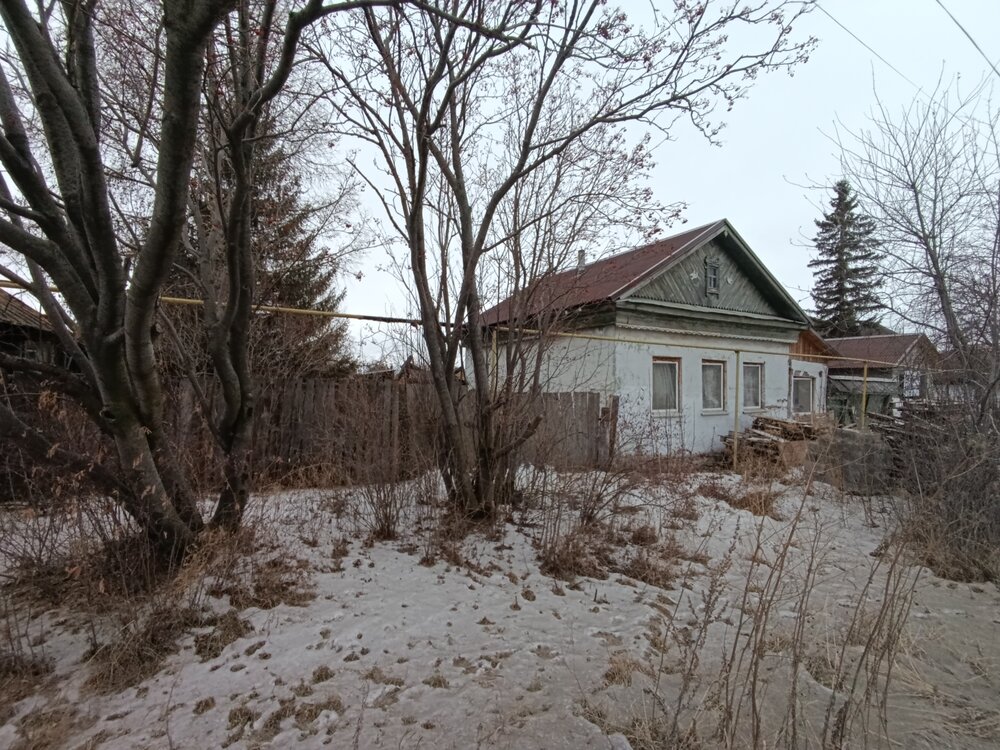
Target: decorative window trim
713,276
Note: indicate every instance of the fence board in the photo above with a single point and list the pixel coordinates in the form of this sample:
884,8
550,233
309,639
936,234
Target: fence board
350,430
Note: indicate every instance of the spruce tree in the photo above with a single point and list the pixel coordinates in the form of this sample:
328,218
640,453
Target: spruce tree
845,270
293,268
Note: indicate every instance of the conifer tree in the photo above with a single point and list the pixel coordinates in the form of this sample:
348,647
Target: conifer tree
845,270
295,268
292,267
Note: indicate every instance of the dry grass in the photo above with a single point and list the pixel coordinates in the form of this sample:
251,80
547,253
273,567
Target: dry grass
582,552
227,629
322,673
20,676
279,580
621,668
376,675
140,648
49,727
650,568
644,536
436,680
759,500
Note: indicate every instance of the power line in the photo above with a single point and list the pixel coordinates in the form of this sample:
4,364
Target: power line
968,36
919,89
864,44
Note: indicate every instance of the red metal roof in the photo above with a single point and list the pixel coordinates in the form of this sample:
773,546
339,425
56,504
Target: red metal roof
16,313
600,281
856,350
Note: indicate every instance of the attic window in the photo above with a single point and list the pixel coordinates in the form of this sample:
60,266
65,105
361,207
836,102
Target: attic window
711,275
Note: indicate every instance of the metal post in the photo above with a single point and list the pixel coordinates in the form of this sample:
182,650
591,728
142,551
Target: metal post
494,376
736,412
864,399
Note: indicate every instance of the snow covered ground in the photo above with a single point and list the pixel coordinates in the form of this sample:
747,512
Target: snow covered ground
376,645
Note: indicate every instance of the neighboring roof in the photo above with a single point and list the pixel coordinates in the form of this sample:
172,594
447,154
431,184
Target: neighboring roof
16,313
614,277
883,351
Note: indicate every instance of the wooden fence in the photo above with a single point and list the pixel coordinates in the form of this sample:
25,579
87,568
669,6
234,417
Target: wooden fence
346,431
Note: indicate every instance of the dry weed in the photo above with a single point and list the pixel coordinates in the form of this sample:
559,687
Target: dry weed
227,629
759,500
49,727
140,648
20,676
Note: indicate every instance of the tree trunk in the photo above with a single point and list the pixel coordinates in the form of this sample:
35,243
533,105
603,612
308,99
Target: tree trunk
154,510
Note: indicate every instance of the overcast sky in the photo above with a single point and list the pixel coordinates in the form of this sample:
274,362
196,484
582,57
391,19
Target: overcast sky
776,143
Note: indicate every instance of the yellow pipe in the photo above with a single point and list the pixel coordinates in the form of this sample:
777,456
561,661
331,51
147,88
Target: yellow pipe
532,331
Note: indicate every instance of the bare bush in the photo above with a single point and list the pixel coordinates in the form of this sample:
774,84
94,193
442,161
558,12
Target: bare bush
383,504
947,467
749,661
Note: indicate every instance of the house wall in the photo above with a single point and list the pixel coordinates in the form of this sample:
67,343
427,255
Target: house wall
579,364
692,428
818,372
623,368
569,364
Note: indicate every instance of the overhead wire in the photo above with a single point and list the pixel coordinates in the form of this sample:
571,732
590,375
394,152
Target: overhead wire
868,47
919,89
970,38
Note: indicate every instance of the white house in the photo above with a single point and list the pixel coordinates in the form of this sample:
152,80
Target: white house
692,334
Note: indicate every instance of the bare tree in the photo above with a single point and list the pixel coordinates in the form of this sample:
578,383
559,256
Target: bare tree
61,224
462,121
930,177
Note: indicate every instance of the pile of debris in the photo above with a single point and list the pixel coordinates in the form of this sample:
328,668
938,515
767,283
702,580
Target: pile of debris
777,440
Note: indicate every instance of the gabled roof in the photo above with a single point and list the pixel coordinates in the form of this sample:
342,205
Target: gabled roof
16,313
883,351
613,278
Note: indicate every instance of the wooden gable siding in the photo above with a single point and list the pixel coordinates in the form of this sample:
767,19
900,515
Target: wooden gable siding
684,282
809,345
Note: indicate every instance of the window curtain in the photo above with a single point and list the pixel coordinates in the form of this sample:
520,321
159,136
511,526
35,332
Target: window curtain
711,386
751,386
664,386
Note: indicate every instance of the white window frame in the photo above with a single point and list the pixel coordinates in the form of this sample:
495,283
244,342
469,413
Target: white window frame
721,364
760,386
812,393
675,361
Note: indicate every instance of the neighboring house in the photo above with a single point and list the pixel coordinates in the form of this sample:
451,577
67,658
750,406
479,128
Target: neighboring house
25,332
886,369
692,333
